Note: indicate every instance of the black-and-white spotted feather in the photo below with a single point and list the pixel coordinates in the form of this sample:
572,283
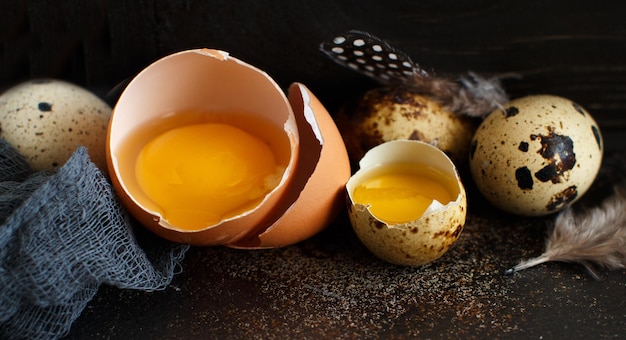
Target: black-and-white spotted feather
363,52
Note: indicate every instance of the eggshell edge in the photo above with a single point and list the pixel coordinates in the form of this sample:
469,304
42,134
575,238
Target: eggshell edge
322,197
417,242
228,230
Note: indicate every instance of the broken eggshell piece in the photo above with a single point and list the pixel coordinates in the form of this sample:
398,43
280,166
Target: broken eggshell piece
424,239
210,81
317,193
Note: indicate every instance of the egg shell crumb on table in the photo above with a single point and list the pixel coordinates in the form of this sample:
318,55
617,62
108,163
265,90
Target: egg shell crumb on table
47,119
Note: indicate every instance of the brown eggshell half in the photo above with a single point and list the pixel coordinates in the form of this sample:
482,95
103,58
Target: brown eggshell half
317,194
211,81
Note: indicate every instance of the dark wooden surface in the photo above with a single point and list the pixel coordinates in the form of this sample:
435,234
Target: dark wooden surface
330,286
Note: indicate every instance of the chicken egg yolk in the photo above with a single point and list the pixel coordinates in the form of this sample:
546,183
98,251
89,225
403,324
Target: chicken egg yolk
201,174
402,194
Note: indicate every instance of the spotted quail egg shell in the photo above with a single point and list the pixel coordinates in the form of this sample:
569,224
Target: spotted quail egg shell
386,114
538,155
47,119
416,242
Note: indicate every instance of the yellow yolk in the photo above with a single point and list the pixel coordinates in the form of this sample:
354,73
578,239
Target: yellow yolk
402,196
200,174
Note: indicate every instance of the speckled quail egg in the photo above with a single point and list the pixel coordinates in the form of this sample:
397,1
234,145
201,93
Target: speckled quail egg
407,203
536,155
386,114
221,191
47,119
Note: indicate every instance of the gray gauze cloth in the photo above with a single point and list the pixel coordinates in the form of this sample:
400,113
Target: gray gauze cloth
62,235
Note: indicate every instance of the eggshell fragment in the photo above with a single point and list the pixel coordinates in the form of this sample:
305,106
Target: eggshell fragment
317,194
537,155
416,242
212,81
47,119
386,114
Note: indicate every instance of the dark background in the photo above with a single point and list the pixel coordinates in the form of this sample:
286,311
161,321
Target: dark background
571,48
330,286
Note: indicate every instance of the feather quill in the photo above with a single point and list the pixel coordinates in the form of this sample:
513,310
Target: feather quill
471,95
595,238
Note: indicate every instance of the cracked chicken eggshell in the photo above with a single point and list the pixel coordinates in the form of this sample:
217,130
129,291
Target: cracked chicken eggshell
209,81
416,242
317,194
47,119
537,155
213,81
386,114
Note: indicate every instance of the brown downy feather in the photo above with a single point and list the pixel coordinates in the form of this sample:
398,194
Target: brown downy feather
595,238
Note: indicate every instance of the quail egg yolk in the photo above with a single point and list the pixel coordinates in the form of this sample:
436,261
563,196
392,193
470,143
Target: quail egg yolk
400,196
200,174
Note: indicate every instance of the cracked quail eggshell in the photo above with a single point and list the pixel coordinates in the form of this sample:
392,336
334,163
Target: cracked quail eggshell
416,242
536,155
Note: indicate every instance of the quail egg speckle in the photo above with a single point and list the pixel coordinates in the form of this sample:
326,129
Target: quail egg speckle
386,114
536,155
46,120
417,239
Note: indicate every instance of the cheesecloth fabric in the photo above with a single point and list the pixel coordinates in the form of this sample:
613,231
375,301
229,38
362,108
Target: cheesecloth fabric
62,235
